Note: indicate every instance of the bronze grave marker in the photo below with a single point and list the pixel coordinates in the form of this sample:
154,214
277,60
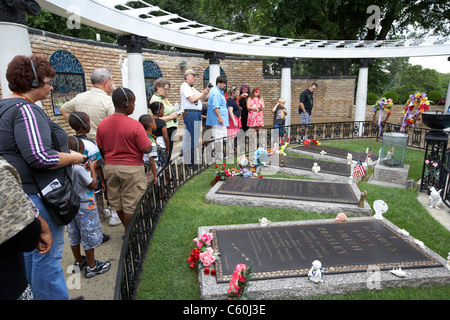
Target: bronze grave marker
288,251
341,169
293,189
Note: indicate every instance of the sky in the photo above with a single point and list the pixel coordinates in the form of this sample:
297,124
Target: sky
438,63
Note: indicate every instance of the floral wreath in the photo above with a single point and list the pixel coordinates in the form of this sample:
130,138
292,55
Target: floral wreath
382,105
411,118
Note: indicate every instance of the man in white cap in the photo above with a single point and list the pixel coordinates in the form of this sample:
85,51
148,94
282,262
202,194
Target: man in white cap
191,105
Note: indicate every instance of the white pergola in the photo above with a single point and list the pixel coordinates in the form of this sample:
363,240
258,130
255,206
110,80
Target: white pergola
163,27
160,26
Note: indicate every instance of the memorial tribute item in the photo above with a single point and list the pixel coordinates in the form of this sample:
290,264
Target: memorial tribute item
341,217
435,198
380,208
293,189
316,272
287,251
315,168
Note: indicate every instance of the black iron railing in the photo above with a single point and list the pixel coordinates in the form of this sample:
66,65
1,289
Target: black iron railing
175,173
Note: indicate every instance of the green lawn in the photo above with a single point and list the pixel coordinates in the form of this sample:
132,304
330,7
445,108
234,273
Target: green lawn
166,274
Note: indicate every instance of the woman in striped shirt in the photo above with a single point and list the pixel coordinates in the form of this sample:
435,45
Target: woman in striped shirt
26,143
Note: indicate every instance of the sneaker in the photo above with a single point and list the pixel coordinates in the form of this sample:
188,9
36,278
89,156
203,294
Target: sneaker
78,266
114,220
99,268
106,213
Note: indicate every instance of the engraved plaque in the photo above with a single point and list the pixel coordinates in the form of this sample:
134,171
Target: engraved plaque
288,251
341,169
336,152
293,189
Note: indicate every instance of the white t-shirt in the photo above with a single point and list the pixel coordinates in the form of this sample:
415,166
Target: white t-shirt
186,91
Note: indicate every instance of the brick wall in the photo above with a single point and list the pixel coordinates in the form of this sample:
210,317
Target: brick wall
333,99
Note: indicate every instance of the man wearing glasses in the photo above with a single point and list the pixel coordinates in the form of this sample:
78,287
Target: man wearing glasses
192,110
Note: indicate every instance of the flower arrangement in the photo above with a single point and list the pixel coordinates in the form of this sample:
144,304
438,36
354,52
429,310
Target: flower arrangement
308,142
431,169
384,105
283,145
411,118
239,282
223,173
203,255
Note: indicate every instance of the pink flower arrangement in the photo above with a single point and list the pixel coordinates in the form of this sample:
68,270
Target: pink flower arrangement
207,257
241,277
204,239
203,256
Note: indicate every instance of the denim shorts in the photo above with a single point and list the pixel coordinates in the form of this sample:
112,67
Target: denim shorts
85,228
305,118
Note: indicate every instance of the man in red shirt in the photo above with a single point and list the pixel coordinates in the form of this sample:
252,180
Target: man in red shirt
122,141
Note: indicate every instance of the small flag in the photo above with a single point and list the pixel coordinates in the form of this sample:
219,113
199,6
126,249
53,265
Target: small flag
359,171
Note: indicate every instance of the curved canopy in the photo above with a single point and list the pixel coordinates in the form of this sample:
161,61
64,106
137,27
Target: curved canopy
163,27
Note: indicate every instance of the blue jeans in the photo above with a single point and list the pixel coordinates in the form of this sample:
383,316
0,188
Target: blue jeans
44,271
280,127
192,132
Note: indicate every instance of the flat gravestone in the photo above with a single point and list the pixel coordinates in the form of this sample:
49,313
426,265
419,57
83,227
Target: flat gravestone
321,238
292,189
341,169
288,251
335,152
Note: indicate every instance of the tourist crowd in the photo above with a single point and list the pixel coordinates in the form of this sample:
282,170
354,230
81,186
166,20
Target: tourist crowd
105,160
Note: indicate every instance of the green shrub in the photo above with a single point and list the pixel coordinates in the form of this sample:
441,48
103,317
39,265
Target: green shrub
372,98
434,97
391,95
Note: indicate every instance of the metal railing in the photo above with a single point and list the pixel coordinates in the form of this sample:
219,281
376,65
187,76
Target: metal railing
175,173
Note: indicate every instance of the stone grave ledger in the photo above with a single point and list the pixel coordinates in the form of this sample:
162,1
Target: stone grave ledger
292,189
325,166
288,251
336,152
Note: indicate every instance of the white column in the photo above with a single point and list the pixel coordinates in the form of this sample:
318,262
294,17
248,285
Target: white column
136,83
286,86
214,72
361,92
136,79
14,40
447,99
214,65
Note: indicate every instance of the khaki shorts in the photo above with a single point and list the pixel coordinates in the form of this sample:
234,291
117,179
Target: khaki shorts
126,185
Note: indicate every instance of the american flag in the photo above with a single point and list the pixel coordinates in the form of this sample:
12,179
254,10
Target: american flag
359,171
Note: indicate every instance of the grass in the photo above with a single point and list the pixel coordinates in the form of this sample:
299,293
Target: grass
166,274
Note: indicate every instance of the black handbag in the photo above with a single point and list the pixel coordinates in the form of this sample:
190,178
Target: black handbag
62,203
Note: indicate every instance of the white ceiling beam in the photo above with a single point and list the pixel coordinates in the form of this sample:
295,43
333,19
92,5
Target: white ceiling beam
103,15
